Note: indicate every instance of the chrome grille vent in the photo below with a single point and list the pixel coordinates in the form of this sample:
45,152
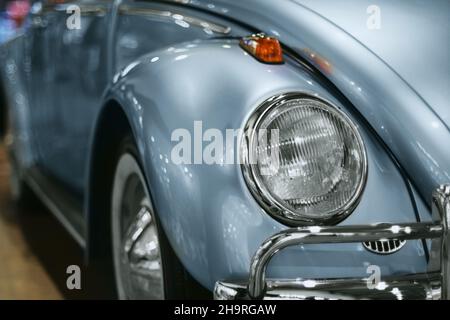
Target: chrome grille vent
384,246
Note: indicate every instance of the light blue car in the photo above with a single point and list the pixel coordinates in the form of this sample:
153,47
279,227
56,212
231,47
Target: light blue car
290,149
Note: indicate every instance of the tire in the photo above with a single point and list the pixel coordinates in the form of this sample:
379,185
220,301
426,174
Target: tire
145,265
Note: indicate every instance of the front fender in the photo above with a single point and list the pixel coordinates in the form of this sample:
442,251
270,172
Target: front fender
211,220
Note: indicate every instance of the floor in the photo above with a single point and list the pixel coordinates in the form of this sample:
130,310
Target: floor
35,251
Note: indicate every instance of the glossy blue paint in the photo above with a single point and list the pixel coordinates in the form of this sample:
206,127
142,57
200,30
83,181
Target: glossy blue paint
166,74
211,219
398,77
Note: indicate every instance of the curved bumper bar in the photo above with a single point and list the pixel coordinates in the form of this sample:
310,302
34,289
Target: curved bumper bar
417,286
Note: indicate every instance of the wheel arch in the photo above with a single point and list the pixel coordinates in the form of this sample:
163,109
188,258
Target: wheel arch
153,110
111,126
115,122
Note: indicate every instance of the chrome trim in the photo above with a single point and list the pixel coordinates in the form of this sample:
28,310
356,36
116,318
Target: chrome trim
441,208
136,230
384,247
85,9
270,204
341,234
59,209
408,287
424,286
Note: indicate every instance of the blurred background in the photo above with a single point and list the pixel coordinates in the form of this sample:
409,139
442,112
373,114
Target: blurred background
35,251
12,15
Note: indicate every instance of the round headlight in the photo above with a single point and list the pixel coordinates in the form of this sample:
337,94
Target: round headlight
303,160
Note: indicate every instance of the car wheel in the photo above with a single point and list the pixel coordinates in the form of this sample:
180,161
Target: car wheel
145,265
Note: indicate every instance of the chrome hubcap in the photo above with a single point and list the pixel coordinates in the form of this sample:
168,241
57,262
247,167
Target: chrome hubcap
141,250
137,258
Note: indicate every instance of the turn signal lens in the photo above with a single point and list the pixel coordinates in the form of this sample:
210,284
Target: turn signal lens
264,48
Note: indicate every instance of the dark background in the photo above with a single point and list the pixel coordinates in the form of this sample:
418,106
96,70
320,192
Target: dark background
35,251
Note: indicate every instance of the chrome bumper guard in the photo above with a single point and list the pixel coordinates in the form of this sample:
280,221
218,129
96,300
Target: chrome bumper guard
427,286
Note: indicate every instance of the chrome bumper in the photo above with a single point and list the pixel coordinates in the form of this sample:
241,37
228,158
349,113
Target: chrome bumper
429,286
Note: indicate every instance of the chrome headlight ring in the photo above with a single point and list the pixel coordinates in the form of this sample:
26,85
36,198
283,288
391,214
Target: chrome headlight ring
345,149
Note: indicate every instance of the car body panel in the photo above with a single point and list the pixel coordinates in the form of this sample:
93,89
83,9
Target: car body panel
16,85
211,219
71,76
401,117
413,39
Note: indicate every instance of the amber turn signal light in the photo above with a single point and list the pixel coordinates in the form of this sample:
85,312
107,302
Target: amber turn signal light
264,48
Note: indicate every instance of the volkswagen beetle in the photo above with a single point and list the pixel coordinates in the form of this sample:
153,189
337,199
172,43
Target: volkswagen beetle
138,124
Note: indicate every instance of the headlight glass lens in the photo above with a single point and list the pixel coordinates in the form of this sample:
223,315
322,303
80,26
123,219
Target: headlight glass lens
308,161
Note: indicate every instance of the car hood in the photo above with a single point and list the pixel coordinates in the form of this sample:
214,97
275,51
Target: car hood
412,38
